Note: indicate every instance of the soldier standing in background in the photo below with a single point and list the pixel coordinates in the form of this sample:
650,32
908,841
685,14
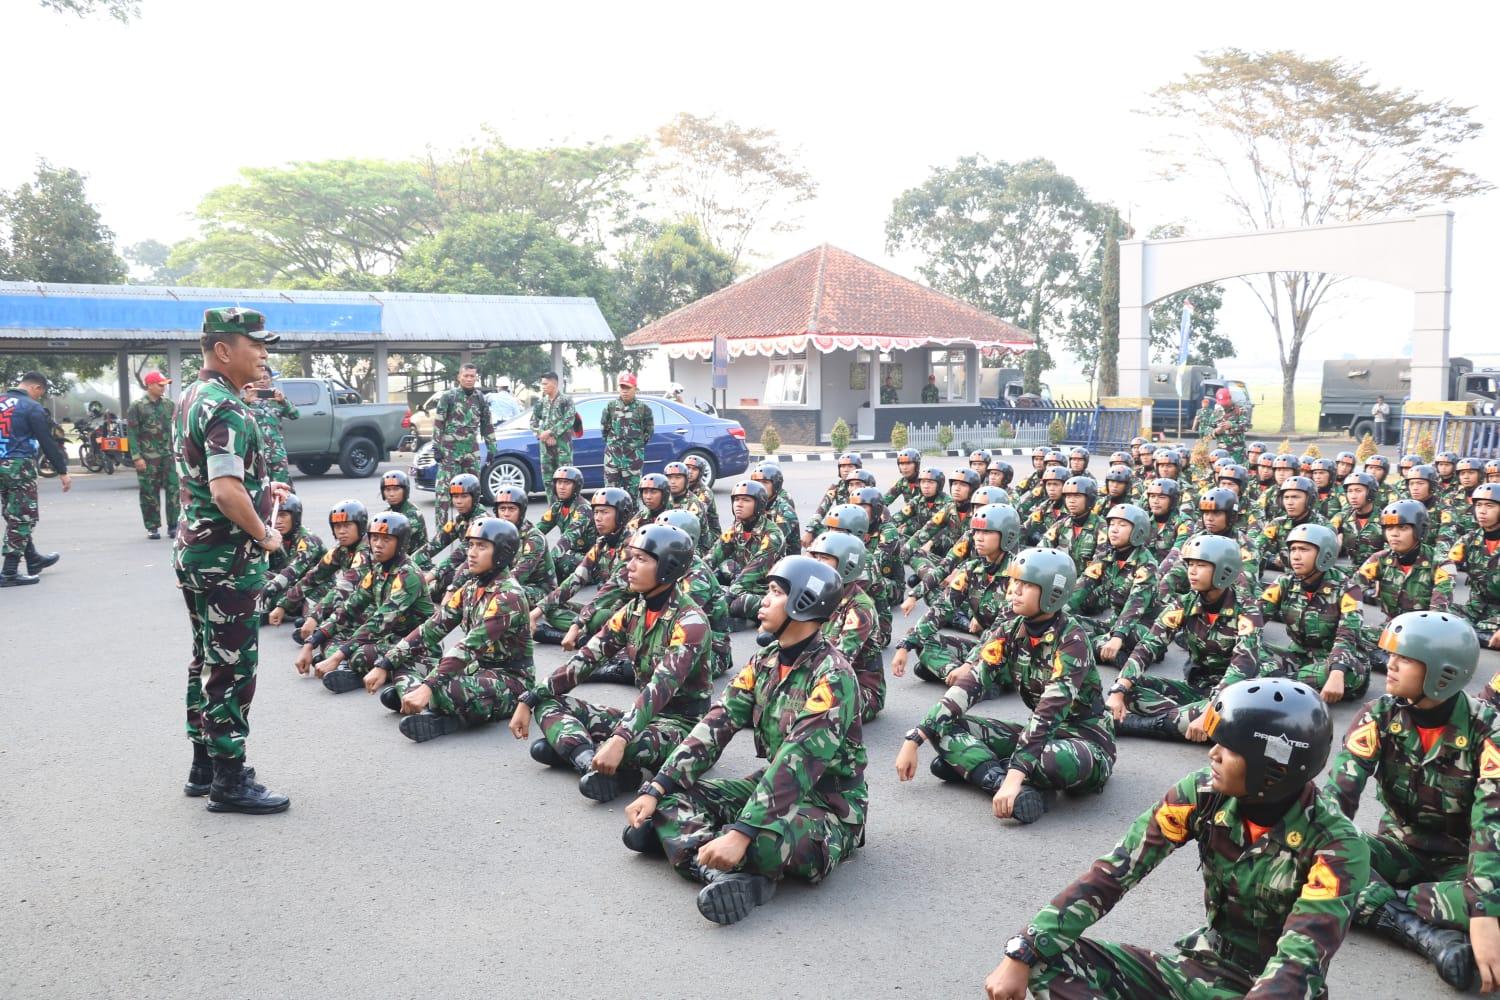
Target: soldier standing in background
553,418
269,412
150,422
460,424
626,427
24,427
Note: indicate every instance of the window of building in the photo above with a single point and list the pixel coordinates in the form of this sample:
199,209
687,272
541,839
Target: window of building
786,382
952,371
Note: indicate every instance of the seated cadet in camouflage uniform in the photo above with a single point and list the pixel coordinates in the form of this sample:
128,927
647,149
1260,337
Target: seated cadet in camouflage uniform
1145,460
1434,752
1327,501
1169,465
883,565
1477,554
479,678
853,628
836,494
1264,479
1123,576
1268,505
1067,744
395,489
1081,533
703,588
573,518
1039,511
1282,868
745,553
944,567
324,584
804,812
1319,605
1408,574
532,567
1218,623
300,551
973,601
923,551
1033,479
1380,467
1218,514
665,636
906,488
1343,464
603,564
1001,474
1358,525
1422,486
1167,521
1119,487
626,428
1492,471
781,510
443,555
680,497
1269,545
651,500
1461,499
698,472
1445,463
979,461
389,602
928,502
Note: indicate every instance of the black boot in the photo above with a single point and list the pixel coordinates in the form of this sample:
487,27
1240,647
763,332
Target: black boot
1031,804
542,753
235,789
616,671
35,561
730,896
11,576
390,697
154,535
547,635
201,775
989,776
642,839
608,787
940,768
342,680
426,726
1449,951
1151,727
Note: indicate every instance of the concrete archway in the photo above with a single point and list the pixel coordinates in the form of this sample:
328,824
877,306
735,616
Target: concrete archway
1414,252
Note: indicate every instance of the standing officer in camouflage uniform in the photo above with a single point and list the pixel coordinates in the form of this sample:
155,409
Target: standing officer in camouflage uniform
1477,554
554,420
460,424
1281,867
269,413
220,556
24,427
1434,752
1067,744
1230,425
804,812
626,428
150,423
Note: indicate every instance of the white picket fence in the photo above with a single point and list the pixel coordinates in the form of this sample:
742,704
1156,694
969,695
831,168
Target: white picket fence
975,435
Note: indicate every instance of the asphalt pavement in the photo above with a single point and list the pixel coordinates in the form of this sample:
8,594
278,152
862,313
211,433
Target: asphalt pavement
460,867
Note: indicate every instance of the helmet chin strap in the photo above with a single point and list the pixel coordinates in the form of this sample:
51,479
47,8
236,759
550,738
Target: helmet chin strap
764,638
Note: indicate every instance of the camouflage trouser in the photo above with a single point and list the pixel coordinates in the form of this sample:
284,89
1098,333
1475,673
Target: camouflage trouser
1182,701
869,670
279,470
553,458
225,644
1313,670
566,561
18,503
968,742
450,466
1482,614
929,569
572,724
480,697
157,478
1435,886
808,844
565,616
1100,632
1102,970
937,658
626,477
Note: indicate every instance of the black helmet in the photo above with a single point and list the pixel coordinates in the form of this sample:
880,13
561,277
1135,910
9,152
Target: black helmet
750,488
850,517
980,455
1235,471
671,547
654,481
965,475
1119,474
1324,465
1220,498
769,472
1164,486
466,484
683,520
1137,441
1001,518
1448,457
570,473
909,455
1284,462
1055,473
292,504
846,549
1379,460
501,534
698,462
851,458
1412,512
1056,457
863,476
1078,451
813,589
1215,454
872,497
1408,460
1362,479
934,474
622,502
1007,471
394,524
1281,728
675,469
1082,485
1427,472
350,510
1119,458
395,477
511,493
1041,451
1299,484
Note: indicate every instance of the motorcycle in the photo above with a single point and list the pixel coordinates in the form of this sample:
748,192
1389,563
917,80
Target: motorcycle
44,465
102,444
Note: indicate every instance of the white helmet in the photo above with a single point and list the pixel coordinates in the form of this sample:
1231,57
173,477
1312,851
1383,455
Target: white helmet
503,385
676,389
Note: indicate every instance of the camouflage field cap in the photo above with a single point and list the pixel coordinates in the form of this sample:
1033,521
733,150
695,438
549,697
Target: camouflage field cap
233,319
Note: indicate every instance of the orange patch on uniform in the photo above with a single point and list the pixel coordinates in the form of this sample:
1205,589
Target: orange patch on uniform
1272,594
455,598
1094,571
1489,761
679,636
1321,882
1370,570
994,652
1173,821
851,620
1364,741
961,581
1348,605
1172,618
821,699
1246,626
746,679
617,623
365,583
396,586
1495,682
493,609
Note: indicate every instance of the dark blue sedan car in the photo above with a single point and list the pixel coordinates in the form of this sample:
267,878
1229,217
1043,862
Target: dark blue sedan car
515,454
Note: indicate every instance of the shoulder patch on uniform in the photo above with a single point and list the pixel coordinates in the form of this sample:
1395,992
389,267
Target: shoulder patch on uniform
1058,666
962,548
765,542
1457,552
1270,531
961,581
1495,682
994,652
728,536
821,699
746,679
455,598
1446,518
679,635
302,545
1143,574
617,621
1245,626
1171,618
396,586
1095,570
1371,569
1321,882
1440,575
851,620
493,608
940,517
1364,740
1272,594
448,526
328,557
365,583
1348,605
1489,761
1172,820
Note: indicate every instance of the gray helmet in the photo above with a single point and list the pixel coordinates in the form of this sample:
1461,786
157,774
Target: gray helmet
862,476
812,589
990,494
1299,484
849,550
1220,498
1164,486
1426,472
1140,521
869,496
1445,644
1484,491
1323,538
671,547
1050,569
291,505
1221,551
501,534
683,520
850,517
1001,517
1412,512
1280,726
1082,485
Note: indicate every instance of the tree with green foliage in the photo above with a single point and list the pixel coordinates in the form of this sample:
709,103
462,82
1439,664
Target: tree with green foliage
123,11
1304,142
1109,305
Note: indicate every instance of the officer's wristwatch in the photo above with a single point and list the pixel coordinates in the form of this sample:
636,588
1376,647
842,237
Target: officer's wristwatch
916,735
1021,950
1118,688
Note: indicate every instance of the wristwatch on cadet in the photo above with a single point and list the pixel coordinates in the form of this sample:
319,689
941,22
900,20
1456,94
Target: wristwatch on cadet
1118,688
1021,950
916,735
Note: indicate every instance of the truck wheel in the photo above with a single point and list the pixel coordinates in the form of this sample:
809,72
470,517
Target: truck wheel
359,458
504,472
1361,428
315,466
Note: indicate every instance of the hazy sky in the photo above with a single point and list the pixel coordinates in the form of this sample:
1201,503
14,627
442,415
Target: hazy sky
160,111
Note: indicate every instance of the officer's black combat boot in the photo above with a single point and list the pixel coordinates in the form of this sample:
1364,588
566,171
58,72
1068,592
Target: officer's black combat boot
940,768
341,680
729,897
235,789
617,671
426,726
547,635
390,697
201,774
642,839
11,575
1449,951
542,753
1151,727
35,561
608,787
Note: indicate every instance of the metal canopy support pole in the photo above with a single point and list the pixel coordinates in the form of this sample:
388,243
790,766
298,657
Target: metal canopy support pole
122,369
174,370
557,358
382,375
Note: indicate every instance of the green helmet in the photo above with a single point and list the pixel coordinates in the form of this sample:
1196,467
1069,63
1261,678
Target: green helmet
1050,569
1001,517
683,520
1320,536
1221,551
849,551
988,495
850,517
1140,521
1445,644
